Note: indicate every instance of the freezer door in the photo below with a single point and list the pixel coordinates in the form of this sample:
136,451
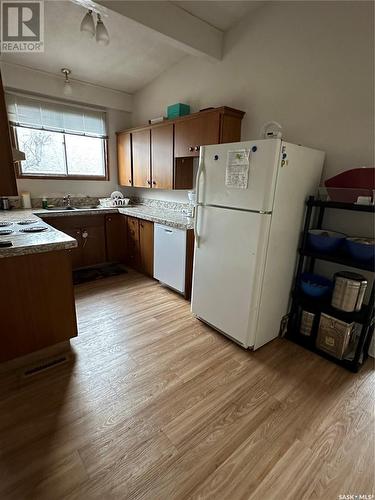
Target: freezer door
263,165
228,267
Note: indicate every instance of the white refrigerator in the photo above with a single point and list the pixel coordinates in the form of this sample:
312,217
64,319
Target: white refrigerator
249,216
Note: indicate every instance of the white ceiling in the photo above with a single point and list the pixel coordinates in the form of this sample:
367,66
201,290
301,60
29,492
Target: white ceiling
135,55
133,58
221,14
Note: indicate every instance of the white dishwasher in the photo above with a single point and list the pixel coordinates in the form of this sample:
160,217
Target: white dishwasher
170,256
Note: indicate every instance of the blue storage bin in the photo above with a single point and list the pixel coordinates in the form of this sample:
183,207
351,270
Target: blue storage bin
315,285
325,241
176,110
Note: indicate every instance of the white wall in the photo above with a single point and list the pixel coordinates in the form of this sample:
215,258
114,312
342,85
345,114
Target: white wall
307,65
27,80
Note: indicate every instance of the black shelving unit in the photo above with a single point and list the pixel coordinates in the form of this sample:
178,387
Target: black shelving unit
315,210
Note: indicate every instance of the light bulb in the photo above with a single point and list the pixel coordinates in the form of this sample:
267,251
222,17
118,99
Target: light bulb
102,35
88,25
68,89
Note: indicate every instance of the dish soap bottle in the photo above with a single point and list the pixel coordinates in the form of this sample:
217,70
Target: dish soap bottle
44,202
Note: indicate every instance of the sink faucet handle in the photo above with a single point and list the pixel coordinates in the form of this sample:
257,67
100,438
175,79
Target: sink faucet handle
66,199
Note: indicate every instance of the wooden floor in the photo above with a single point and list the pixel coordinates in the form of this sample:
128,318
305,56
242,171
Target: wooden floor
157,405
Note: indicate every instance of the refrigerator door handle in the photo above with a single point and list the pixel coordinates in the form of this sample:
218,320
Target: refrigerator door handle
199,173
196,235
197,180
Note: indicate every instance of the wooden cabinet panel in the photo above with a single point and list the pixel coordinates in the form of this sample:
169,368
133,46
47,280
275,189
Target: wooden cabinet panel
116,237
75,253
230,129
44,312
146,243
124,159
8,185
141,158
93,245
191,134
133,250
162,156
91,248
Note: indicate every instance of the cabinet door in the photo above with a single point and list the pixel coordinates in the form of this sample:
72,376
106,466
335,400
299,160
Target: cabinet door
162,156
124,159
141,158
8,186
93,245
133,252
146,243
115,228
192,133
75,253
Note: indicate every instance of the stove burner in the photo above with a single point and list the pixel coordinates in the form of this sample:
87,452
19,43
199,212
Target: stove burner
26,222
3,232
5,223
35,229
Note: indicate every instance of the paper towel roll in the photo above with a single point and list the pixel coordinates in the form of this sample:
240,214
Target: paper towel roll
26,199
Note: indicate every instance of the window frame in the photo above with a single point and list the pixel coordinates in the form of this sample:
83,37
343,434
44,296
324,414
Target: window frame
21,175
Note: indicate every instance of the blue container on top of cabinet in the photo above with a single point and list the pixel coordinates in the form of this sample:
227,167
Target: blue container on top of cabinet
176,110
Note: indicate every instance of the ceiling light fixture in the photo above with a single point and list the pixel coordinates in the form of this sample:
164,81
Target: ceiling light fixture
88,25
89,30
68,89
102,35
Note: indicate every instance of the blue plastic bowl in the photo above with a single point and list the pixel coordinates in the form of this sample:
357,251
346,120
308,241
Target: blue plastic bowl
315,285
361,248
325,241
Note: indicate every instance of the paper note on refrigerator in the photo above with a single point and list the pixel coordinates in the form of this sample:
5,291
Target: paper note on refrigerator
237,171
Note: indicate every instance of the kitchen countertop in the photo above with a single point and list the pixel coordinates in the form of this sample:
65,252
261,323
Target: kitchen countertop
29,243
52,239
170,218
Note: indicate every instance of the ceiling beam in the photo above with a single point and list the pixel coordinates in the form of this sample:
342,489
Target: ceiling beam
173,24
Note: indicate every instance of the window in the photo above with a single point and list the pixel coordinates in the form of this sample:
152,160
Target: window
58,141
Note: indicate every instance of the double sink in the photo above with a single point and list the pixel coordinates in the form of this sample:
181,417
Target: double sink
60,209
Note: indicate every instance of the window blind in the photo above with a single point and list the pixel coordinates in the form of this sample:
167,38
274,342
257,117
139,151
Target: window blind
26,111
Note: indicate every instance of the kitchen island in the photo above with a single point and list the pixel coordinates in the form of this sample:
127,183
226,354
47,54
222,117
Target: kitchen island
37,308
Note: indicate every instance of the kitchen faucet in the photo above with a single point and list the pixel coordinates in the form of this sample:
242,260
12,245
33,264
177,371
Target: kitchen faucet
66,201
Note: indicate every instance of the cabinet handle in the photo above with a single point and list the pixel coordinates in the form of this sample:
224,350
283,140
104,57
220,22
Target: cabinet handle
191,149
154,183
197,148
109,218
148,182
130,181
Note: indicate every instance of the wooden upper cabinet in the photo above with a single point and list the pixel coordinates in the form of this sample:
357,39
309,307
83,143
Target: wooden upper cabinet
161,155
195,132
8,185
162,158
124,159
141,158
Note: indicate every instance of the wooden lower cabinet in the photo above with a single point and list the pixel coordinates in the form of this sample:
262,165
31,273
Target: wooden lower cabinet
36,303
146,247
140,254
89,231
116,237
75,253
133,254
93,245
